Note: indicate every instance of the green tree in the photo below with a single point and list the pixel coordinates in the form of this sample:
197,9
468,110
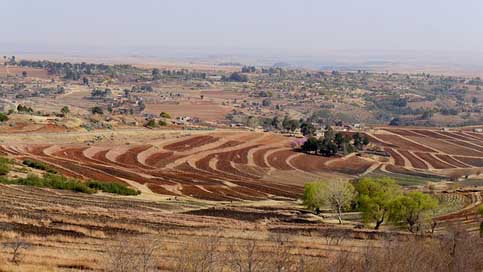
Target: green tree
365,140
237,77
329,133
3,117
358,140
328,148
156,74
277,123
410,208
252,121
376,197
307,129
97,110
85,81
286,123
311,145
65,110
314,196
293,125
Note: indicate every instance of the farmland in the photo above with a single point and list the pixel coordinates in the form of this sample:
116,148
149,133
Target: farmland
218,166
214,164
430,150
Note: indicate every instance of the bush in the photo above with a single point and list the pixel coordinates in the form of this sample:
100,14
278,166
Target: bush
3,117
165,115
97,110
4,169
113,188
162,123
65,110
4,166
151,123
38,165
53,181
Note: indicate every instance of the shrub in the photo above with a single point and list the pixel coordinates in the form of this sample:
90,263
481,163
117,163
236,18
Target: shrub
65,110
165,115
4,166
54,181
38,165
113,188
162,123
4,169
151,123
97,110
3,117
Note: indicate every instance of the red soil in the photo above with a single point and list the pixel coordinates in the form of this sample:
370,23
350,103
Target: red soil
259,157
433,161
351,166
477,162
130,159
461,136
451,160
397,169
447,146
227,145
278,159
403,143
431,134
160,160
474,147
160,190
415,162
399,161
403,132
191,143
310,163
194,191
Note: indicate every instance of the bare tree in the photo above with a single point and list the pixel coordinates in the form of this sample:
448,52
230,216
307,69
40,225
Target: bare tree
340,195
246,256
146,249
129,254
17,246
280,258
200,255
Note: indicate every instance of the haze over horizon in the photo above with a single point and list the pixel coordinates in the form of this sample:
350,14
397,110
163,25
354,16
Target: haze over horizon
445,31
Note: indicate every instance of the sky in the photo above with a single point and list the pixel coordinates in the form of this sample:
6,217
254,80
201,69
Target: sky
298,26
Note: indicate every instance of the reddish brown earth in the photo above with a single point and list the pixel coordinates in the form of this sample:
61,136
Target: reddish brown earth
352,166
196,166
415,161
433,161
442,150
244,165
191,143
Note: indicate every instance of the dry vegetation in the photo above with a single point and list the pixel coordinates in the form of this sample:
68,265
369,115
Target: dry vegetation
214,198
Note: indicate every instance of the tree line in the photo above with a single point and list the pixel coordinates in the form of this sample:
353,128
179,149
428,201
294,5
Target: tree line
380,200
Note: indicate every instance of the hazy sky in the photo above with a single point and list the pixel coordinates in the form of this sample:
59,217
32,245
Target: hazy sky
297,25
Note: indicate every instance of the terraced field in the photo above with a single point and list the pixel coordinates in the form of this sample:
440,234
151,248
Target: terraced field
428,150
212,166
